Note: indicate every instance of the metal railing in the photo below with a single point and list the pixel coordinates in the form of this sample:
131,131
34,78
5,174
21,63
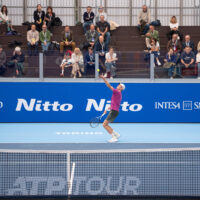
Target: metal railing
44,70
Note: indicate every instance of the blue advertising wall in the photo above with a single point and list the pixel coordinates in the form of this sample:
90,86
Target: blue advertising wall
79,102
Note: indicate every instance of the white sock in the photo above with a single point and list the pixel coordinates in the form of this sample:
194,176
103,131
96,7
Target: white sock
62,71
113,134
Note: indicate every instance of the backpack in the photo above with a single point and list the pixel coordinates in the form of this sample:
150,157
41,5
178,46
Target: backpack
58,21
156,23
55,45
14,43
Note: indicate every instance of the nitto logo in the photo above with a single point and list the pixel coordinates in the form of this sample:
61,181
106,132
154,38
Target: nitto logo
38,105
1,105
47,106
103,104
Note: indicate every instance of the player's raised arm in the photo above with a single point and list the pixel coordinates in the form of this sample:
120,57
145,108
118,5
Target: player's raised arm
106,82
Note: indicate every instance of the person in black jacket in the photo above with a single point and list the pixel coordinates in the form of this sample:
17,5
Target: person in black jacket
89,60
88,18
50,18
17,61
101,48
103,27
188,43
39,15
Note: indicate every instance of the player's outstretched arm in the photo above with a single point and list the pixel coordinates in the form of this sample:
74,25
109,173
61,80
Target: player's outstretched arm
106,82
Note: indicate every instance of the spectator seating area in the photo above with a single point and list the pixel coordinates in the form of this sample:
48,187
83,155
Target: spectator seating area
125,40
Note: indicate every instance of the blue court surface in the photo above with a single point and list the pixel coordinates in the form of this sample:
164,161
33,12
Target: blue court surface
83,133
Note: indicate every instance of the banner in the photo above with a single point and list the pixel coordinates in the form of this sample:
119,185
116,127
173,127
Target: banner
79,102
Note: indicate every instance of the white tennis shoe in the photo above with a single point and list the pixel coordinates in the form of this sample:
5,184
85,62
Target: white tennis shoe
113,140
117,135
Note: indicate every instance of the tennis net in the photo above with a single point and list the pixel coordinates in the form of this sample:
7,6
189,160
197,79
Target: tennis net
136,172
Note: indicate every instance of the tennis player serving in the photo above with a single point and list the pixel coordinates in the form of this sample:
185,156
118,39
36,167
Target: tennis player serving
114,109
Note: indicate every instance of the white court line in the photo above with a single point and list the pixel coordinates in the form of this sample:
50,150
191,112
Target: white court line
79,133
71,179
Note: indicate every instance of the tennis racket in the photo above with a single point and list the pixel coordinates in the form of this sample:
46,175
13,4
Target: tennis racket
96,120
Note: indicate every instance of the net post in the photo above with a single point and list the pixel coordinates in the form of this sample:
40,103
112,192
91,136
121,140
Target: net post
96,65
68,171
152,67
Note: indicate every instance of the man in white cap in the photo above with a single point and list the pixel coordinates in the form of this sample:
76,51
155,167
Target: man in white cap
114,108
17,61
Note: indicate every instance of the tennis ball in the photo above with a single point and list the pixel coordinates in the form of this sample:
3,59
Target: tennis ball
98,70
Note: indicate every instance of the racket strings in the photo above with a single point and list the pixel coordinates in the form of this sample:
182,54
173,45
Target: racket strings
95,122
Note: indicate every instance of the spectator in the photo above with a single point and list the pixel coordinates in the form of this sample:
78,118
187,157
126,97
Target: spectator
33,39
2,61
77,63
101,12
152,34
67,39
103,28
187,59
91,36
39,15
17,61
188,43
198,63
89,60
50,18
198,47
45,38
4,19
66,62
174,29
113,25
170,63
155,49
101,48
110,63
174,44
144,19
88,18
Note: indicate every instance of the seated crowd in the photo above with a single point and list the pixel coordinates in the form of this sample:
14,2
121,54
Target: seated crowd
97,37
180,54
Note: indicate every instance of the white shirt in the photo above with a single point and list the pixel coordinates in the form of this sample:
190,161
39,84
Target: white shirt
146,16
198,58
173,25
4,17
68,61
108,56
76,58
